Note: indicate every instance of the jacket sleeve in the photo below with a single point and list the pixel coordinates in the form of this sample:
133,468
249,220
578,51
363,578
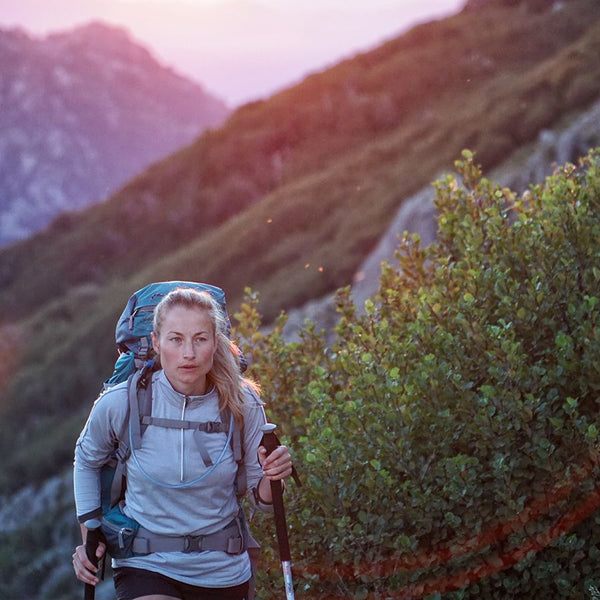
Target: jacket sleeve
94,446
254,419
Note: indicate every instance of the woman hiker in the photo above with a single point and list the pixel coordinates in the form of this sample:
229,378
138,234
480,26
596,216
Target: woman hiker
199,381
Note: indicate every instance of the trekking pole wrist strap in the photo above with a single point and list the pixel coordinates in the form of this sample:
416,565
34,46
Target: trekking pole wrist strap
258,499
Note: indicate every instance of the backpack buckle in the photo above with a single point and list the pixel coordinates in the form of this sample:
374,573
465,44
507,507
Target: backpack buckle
213,427
192,543
122,452
235,545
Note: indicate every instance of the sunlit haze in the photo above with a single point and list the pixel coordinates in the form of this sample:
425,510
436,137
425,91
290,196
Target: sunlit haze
239,50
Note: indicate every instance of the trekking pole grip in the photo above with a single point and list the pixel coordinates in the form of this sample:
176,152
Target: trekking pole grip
271,442
92,539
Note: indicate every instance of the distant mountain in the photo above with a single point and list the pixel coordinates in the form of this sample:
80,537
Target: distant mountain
83,112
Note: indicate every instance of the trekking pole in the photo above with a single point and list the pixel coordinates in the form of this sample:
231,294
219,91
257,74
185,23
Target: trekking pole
270,442
91,544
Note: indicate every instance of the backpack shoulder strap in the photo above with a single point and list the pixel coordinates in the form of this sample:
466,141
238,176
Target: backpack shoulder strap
117,485
139,394
139,399
114,475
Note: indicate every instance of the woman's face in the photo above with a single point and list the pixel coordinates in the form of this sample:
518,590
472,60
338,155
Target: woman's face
186,345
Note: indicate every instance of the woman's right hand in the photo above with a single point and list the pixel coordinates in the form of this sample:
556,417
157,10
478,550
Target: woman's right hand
83,567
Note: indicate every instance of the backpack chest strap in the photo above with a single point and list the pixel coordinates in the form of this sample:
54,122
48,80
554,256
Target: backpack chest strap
206,426
195,426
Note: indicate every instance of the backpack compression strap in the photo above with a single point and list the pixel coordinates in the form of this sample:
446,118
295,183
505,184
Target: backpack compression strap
241,481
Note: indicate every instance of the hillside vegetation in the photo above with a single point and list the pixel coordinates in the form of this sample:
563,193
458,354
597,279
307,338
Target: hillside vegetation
449,437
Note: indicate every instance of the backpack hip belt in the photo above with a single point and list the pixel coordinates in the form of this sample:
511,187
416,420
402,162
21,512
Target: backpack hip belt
230,539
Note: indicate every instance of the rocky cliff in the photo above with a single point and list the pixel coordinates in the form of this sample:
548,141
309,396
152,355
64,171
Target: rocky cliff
530,164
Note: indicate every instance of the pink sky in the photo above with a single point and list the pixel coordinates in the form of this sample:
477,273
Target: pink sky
240,50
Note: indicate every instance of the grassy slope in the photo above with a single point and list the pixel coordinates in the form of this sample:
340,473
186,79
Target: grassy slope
352,143
409,105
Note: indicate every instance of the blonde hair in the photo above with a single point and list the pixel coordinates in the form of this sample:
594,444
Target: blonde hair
225,374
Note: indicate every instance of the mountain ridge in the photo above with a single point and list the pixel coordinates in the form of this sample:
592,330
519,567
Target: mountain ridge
384,100
83,112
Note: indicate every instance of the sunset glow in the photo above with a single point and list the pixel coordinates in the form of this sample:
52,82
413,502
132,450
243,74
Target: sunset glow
239,50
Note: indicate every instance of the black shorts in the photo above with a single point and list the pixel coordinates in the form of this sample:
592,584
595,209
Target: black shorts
134,583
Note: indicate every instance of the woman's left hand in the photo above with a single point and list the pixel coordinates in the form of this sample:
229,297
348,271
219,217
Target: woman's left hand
276,466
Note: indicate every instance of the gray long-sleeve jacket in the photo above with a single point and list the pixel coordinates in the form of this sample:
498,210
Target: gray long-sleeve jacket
172,456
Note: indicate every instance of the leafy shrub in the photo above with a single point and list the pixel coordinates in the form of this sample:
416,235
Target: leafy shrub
448,436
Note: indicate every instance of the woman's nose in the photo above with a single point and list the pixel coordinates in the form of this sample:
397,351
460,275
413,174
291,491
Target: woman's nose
188,348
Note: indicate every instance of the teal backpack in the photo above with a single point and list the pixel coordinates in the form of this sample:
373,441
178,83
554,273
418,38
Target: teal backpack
136,365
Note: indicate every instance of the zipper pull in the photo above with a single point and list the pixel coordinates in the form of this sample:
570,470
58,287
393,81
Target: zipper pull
122,533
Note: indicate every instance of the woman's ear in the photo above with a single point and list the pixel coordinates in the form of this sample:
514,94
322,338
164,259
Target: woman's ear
155,344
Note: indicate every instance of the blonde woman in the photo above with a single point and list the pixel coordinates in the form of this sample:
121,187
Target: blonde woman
181,482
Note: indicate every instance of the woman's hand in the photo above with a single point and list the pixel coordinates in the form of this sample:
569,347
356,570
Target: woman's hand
276,466
83,567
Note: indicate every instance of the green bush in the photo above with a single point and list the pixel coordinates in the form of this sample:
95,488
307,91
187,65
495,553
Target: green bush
448,437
